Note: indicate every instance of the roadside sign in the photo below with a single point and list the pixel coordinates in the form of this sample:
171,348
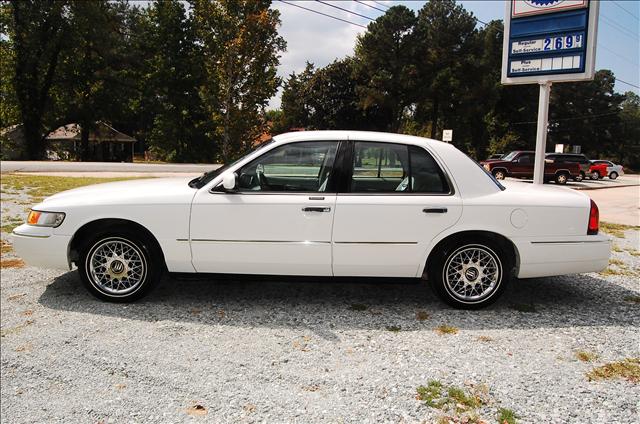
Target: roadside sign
559,148
447,135
549,41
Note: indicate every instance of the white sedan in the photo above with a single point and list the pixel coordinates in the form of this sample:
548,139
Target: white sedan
323,203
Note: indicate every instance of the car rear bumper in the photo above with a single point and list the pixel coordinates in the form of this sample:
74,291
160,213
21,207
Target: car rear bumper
567,255
39,246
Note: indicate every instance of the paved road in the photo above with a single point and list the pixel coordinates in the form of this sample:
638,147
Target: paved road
93,167
618,205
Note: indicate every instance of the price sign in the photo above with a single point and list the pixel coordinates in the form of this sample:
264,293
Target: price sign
549,40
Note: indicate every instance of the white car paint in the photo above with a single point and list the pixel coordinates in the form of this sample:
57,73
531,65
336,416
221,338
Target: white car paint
203,230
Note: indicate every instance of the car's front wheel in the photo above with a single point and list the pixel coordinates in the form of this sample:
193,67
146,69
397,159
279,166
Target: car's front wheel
470,275
579,177
595,175
613,175
119,267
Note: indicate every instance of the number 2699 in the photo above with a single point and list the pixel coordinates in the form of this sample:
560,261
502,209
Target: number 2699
563,43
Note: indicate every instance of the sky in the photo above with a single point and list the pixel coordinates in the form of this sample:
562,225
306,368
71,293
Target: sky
320,39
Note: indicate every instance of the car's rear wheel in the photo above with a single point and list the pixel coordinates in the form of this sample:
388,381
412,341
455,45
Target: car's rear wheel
499,174
594,175
119,267
561,178
613,175
579,177
470,275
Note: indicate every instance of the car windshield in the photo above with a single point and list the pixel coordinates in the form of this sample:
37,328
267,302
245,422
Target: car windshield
510,156
205,178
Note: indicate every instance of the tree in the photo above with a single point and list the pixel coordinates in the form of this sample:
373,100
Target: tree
585,113
171,78
241,45
444,39
38,30
385,62
295,104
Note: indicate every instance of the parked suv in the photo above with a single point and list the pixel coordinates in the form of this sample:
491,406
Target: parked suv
572,158
520,164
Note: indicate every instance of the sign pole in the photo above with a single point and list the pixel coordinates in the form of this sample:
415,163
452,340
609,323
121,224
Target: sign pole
541,136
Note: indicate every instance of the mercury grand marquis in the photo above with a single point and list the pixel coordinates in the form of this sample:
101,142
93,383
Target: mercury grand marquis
322,203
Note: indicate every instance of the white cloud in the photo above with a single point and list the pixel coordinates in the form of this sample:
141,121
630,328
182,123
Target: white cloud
316,38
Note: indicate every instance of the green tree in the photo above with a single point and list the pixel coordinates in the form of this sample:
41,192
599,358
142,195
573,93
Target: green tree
295,103
385,64
38,30
627,146
444,53
170,82
241,49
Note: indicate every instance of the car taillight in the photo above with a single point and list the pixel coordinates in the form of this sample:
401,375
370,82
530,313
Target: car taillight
594,219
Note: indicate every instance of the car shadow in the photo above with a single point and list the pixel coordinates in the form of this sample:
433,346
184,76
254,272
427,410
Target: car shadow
327,304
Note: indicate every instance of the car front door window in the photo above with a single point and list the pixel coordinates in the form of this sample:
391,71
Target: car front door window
295,167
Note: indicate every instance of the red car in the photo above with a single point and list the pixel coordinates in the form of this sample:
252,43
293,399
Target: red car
597,171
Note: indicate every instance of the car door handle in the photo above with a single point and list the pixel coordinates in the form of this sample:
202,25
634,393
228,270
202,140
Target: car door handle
316,209
434,210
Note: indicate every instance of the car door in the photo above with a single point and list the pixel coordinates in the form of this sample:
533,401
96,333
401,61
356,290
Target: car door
394,201
523,165
277,221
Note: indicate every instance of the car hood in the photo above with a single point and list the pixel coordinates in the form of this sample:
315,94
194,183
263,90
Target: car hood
131,192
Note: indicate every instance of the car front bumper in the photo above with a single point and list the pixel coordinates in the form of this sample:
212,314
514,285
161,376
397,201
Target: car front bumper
546,257
41,247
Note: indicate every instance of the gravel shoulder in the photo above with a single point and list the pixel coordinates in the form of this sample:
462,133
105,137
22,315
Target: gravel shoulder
263,350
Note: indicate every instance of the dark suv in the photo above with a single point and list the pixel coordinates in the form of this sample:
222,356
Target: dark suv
572,158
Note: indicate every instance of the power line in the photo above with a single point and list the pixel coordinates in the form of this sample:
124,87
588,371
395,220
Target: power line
323,14
344,10
567,119
383,5
617,54
628,83
373,7
620,28
617,4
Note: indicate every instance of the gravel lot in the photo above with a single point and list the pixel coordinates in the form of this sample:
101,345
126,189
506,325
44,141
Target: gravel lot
261,350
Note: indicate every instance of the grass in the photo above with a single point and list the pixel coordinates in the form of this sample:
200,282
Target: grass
619,268
524,307
358,307
41,186
632,299
10,224
446,329
585,356
393,328
436,395
422,315
5,247
616,248
616,230
628,369
11,263
506,416
484,339
614,261
633,252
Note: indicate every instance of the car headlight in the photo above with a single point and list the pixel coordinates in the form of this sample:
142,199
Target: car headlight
45,219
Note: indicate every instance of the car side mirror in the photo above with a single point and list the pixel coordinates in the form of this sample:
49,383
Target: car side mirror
229,181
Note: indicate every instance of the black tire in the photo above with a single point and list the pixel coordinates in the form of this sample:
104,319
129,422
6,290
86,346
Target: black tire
578,178
594,175
499,174
561,178
139,261
442,264
613,175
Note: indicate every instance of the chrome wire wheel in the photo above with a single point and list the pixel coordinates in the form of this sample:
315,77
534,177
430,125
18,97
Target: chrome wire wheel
472,273
116,266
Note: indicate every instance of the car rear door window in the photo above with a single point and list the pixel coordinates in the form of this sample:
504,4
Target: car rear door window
395,168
